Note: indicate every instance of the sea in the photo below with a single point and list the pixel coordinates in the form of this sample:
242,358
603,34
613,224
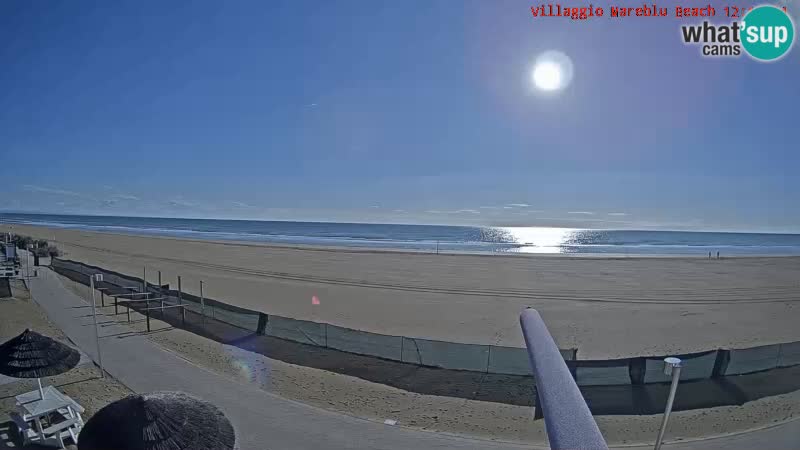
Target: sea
436,238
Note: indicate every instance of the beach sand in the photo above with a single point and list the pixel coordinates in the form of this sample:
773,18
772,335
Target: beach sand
604,307
481,419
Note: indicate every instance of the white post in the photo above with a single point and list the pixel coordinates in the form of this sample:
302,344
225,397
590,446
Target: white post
144,279
28,263
671,365
41,391
96,333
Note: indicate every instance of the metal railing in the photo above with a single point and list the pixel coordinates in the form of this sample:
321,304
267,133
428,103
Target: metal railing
567,418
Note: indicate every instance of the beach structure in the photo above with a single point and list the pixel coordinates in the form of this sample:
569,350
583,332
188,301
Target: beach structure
31,355
158,421
8,260
9,251
43,416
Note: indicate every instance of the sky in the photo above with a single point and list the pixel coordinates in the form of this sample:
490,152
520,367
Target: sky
401,112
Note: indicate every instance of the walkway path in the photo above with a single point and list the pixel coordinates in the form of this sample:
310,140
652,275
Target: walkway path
266,421
780,437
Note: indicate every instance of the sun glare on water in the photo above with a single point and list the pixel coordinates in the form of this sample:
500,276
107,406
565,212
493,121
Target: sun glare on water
540,239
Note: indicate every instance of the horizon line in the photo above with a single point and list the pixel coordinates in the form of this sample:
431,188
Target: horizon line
653,228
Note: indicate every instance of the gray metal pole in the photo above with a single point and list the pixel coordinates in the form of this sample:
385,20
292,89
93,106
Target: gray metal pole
567,418
96,333
671,365
144,279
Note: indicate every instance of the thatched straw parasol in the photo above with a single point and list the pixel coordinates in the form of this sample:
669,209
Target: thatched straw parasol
158,421
31,355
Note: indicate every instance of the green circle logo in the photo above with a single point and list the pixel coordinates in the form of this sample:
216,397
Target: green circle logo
767,33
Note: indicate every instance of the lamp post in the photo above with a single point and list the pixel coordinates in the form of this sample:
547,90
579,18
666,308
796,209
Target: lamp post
28,262
98,277
671,366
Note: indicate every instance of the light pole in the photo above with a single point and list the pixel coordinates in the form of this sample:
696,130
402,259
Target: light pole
98,277
28,262
671,366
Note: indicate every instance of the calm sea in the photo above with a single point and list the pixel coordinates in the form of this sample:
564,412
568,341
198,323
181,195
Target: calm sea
429,237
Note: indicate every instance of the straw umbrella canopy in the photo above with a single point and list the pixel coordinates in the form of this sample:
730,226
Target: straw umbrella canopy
31,355
158,421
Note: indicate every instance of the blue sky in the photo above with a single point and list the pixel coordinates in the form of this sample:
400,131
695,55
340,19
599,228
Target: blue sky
412,111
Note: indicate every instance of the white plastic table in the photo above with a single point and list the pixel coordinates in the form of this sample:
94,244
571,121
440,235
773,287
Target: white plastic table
33,406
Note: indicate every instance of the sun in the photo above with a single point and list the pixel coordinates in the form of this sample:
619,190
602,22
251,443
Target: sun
547,76
552,71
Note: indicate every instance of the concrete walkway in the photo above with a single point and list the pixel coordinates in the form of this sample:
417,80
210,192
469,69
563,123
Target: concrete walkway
780,437
266,421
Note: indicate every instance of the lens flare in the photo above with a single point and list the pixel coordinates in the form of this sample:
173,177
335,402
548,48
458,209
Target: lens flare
250,367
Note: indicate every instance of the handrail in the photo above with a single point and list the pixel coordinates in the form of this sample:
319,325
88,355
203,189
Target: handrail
569,422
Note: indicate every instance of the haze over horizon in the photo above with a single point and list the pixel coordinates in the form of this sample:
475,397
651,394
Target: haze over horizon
546,223
393,113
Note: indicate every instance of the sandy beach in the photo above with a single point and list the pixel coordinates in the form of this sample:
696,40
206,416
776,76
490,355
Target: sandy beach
604,307
362,398
487,420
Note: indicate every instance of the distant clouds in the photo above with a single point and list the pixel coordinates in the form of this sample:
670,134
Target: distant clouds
46,190
118,200
113,200
179,202
125,197
457,211
80,199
